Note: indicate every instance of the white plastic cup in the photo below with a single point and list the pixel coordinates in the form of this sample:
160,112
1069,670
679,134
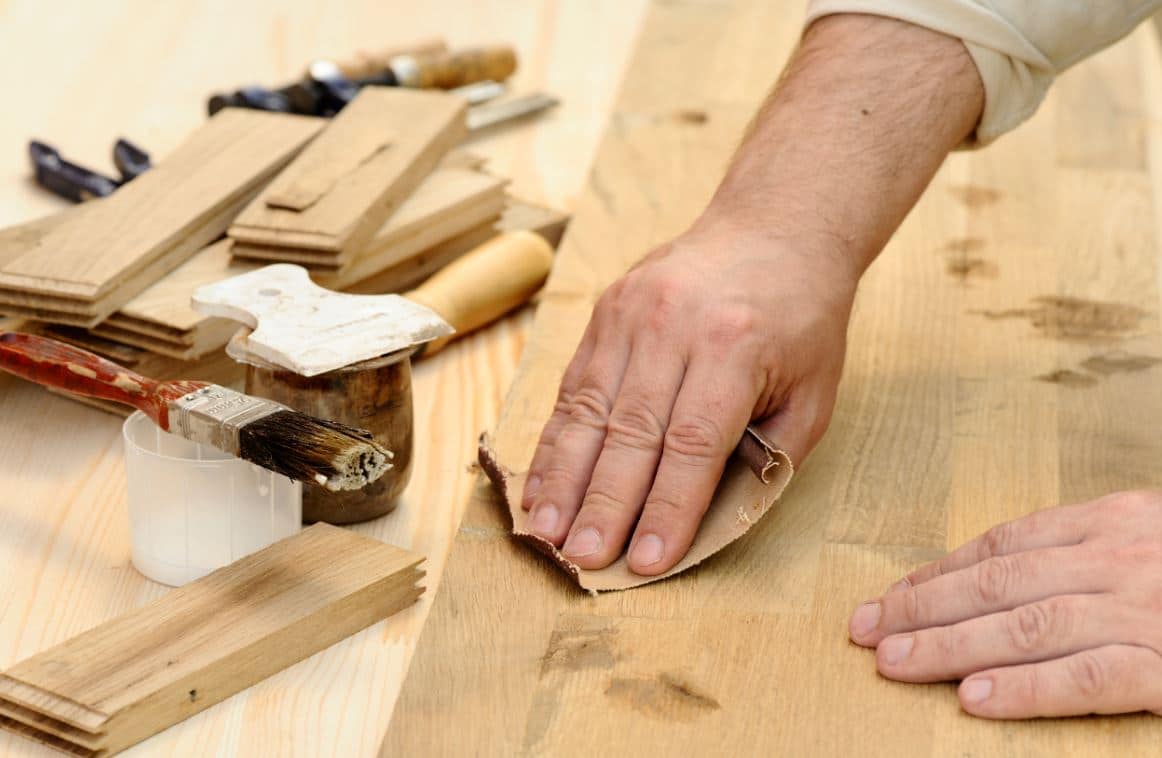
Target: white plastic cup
194,509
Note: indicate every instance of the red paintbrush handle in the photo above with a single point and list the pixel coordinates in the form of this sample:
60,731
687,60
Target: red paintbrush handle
61,366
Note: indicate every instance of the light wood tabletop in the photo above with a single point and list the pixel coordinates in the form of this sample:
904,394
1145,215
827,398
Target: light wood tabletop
1004,356
78,79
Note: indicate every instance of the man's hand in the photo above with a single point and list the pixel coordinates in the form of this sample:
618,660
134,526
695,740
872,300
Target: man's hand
1055,614
708,333
743,317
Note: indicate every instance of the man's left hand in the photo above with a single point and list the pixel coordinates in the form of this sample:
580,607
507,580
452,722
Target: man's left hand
1055,614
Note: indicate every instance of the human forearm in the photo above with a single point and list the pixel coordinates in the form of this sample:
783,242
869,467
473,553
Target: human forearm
862,118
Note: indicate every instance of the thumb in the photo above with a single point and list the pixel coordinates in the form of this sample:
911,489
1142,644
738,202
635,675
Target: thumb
798,425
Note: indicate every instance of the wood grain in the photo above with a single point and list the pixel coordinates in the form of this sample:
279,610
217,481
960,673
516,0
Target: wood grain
391,141
137,674
62,487
1022,262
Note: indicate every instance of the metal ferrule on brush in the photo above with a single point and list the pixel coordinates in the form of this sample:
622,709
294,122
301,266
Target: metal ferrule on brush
215,415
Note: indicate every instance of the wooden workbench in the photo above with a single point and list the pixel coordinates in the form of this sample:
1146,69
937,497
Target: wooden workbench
79,80
1004,355
957,411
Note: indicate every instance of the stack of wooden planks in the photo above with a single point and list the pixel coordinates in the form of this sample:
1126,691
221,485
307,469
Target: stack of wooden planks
373,201
331,201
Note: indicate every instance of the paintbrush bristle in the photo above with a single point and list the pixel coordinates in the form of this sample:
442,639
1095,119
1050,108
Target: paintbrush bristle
309,449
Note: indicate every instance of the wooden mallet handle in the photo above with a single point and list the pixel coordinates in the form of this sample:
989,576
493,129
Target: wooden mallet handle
486,282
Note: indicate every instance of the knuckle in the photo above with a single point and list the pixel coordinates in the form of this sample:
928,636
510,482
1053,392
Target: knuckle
732,322
997,541
1089,674
1031,625
913,608
668,288
695,438
994,577
1030,688
946,642
589,405
635,426
665,507
612,303
601,506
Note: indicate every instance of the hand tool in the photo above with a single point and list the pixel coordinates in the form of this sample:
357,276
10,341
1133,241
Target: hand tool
131,161
321,452
490,114
65,178
328,85
77,183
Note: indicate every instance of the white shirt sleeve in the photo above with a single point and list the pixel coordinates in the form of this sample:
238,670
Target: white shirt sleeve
1018,45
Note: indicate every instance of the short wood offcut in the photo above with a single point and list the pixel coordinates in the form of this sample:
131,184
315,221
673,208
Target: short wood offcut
120,682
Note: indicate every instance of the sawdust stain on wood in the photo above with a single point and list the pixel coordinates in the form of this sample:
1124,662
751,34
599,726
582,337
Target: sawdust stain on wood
965,268
1119,362
1076,319
574,650
664,696
1068,378
1099,367
481,534
691,116
974,196
964,245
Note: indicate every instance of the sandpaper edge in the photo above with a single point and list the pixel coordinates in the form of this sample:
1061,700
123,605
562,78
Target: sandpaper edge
769,464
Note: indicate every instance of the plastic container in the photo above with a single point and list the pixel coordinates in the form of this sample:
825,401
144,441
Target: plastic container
193,509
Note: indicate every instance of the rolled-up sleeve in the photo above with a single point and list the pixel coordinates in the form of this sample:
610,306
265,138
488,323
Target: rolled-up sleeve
1018,46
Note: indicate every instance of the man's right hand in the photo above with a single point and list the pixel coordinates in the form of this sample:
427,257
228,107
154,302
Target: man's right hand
719,328
744,317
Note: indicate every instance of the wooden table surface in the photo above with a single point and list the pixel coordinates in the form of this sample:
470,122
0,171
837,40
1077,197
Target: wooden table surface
1005,355
80,79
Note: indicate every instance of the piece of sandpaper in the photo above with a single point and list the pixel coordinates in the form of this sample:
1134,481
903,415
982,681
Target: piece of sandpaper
734,510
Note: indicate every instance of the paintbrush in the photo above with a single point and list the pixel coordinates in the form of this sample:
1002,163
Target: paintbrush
302,447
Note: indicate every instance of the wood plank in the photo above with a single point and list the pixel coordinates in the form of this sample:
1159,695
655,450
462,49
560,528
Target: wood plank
142,672
68,310
219,163
952,416
440,201
423,126
413,270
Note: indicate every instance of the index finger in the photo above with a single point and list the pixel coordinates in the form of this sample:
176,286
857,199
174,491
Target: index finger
1053,527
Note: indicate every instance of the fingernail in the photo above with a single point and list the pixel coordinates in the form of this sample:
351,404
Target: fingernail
545,520
903,584
532,486
896,649
585,542
865,619
648,550
976,690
